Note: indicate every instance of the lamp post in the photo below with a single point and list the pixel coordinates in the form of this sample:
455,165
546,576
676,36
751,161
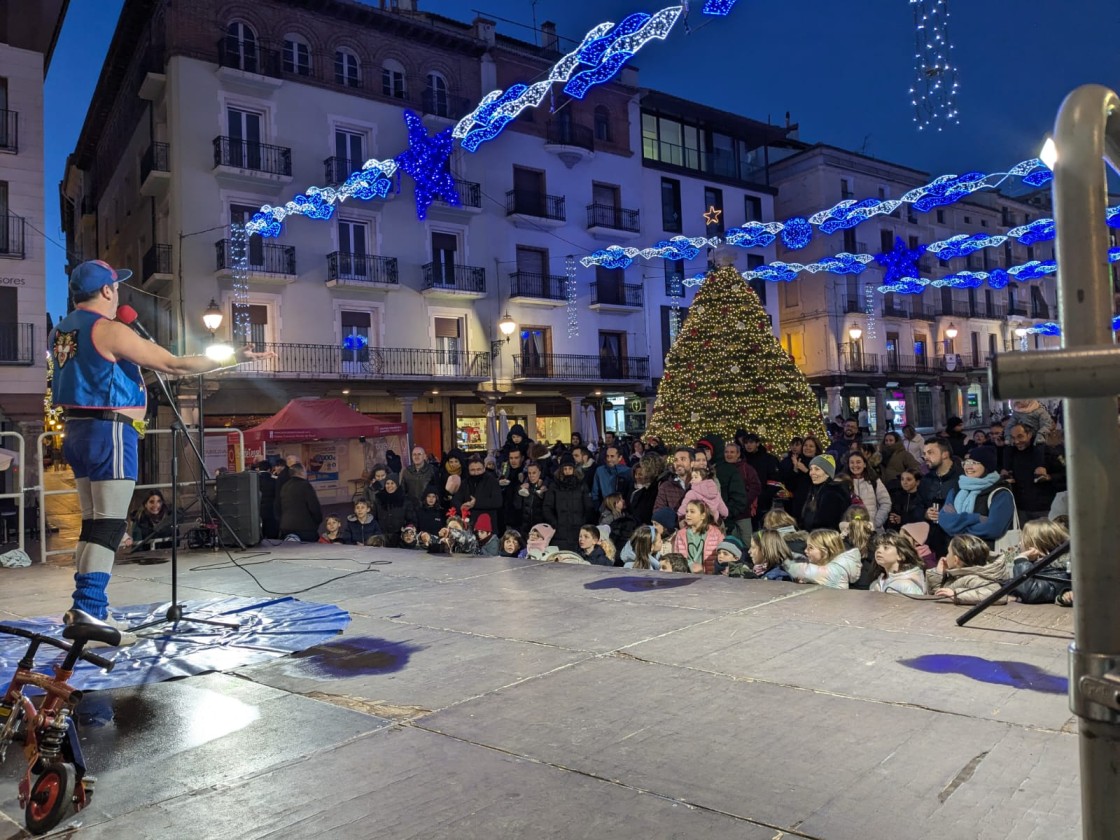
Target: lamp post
507,326
1021,334
211,319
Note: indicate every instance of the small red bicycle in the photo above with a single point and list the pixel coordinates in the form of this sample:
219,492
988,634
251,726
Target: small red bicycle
48,731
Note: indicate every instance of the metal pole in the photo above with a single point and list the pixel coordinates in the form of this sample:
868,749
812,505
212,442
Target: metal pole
1092,441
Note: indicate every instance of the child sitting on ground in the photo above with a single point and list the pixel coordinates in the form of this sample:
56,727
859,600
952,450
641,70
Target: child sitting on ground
900,567
483,532
361,524
830,563
512,545
674,562
645,548
457,538
703,488
769,552
858,532
606,542
969,573
729,559
332,530
699,539
409,538
537,546
1054,584
589,548
622,524
429,518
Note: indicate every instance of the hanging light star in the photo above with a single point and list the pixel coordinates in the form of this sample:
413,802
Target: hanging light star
712,216
901,264
426,161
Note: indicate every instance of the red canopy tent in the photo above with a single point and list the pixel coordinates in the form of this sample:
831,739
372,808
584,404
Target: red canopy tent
310,418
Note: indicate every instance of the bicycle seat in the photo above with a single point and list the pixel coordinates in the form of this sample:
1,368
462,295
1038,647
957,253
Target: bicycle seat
81,626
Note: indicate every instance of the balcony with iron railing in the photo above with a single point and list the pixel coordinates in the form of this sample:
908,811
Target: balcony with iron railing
895,310
546,289
470,197
567,367
263,257
12,236
920,311
607,218
993,311
445,279
155,169
958,308
536,206
854,360
853,305
17,344
951,363
558,133
361,270
611,295
331,361
1017,309
260,160
9,131
156,263
897,363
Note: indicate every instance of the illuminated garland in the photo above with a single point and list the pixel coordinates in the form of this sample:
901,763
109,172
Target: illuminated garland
718,7
605,49
571,292
935,76
796,232
1051,328
239,259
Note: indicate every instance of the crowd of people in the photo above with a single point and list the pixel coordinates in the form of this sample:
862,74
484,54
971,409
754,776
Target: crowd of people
951,517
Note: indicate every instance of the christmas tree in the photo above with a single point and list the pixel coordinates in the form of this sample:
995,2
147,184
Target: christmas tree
727,371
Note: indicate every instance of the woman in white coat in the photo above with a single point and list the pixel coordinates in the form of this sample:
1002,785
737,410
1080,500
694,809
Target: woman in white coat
869,488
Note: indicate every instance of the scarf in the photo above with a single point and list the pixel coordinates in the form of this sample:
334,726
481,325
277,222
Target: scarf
969,490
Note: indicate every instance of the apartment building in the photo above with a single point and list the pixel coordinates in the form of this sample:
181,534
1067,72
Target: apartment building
206,111
28,33
924,355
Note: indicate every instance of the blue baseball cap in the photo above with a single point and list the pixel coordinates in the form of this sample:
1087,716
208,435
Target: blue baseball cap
93,274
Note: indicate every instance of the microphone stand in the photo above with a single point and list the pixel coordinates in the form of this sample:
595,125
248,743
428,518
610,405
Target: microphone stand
178,427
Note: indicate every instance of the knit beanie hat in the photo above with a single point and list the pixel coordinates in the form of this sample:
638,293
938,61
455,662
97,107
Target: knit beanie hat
483,523
985,456
566,460
826,463
667,518
733,546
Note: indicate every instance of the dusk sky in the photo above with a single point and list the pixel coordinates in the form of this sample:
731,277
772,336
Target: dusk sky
841,69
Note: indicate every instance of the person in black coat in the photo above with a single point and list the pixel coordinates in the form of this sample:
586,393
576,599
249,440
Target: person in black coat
393,510
827,500
766,465
270,525
530,497
567,506
451,474
479,491
361,524
957,441
517,439
907,505
280,476
300,511
430,515
511,475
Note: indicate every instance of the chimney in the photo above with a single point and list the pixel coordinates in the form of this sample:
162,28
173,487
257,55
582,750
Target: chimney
484,30
549,41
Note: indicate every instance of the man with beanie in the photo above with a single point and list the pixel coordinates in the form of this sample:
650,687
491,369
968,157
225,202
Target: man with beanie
827,500
97,379
567,506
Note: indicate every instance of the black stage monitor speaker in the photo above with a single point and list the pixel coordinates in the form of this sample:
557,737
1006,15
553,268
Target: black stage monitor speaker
239,503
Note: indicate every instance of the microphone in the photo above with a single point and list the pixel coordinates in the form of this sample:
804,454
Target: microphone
127,316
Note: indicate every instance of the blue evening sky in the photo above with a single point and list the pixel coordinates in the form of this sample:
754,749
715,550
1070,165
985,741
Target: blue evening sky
841,69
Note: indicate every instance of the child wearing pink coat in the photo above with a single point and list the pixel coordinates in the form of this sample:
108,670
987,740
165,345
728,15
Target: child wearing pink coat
703,488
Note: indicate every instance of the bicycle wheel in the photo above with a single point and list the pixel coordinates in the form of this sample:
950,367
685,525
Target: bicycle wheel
51,799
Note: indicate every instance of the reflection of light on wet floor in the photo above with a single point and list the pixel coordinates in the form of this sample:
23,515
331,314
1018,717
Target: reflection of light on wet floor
133,725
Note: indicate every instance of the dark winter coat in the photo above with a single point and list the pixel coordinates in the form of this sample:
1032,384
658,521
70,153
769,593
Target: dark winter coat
515,429
796,482
596,557
641,503
1044,587
622,529
356,533
934,489
487,494
766,466
895,459
907,506
300,512
416,481
1030,495
752,484
567,508
393,512
429,520
442,475
530,508
825,506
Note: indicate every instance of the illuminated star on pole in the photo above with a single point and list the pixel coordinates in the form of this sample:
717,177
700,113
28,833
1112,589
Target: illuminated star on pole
901,265
426,161
712,216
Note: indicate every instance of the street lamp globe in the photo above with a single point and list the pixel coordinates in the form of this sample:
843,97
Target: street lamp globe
854,332
1020,332
951,332
212,317
507,325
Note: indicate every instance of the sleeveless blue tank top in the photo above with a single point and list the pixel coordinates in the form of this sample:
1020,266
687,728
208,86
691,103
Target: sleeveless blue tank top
83,378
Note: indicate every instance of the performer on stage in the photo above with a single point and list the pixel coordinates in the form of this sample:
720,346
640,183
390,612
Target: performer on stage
97,379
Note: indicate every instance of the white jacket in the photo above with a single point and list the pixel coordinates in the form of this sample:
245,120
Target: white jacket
909,582
915,447
838,573
875,498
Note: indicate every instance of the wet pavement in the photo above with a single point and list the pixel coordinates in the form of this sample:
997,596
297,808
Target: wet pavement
485,697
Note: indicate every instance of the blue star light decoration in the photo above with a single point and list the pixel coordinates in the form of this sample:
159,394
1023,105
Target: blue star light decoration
901,267
426,161
722,8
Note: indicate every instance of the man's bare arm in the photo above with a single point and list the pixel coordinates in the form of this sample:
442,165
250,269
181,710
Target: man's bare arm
115,340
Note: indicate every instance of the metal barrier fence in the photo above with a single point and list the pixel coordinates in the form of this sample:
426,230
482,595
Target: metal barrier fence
17,494
43,492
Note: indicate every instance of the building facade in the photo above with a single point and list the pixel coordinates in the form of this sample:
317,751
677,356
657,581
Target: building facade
926,356
30,32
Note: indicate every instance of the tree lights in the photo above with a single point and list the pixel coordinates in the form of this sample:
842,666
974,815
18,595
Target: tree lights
726,371
934,93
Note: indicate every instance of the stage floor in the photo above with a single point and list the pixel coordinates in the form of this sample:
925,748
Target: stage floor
486,698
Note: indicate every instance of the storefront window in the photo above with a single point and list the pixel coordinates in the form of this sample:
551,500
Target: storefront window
552,429
470,434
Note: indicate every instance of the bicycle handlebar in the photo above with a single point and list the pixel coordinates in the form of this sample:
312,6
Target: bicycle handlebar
93,658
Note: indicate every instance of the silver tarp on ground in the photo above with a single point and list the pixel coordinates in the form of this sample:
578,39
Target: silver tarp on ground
264,630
